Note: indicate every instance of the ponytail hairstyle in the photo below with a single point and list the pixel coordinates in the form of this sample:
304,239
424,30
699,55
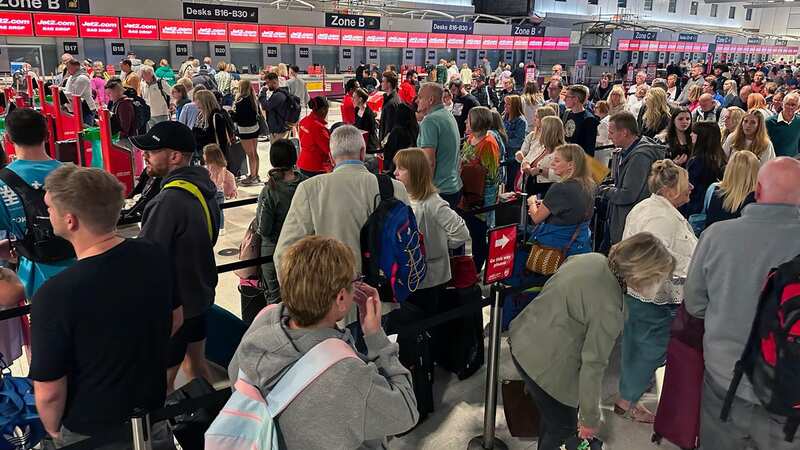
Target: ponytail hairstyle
665,174
574,153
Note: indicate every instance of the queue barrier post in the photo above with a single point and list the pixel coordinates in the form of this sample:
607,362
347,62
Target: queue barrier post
140,426
488,440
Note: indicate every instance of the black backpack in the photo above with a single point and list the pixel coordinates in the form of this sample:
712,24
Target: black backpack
771,358
141,108
293,106
40,244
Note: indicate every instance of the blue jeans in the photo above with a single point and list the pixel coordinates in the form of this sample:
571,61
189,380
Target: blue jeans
220,198
644,345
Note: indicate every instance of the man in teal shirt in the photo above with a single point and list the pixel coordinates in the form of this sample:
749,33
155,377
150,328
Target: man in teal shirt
27,129
784,128
439,139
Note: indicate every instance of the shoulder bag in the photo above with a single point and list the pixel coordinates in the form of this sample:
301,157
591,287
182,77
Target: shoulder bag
546,260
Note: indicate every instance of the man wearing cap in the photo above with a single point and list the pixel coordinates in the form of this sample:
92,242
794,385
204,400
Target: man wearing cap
187,228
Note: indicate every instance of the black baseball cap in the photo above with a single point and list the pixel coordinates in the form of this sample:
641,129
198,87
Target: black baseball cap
163,135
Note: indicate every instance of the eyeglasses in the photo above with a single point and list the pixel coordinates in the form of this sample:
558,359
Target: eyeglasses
358,279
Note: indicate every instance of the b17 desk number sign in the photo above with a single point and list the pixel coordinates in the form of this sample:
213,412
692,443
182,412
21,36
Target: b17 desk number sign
502,246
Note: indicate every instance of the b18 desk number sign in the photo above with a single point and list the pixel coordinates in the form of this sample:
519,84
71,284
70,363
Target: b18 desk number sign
502,246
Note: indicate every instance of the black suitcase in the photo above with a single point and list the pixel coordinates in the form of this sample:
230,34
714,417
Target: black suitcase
417,357
459,342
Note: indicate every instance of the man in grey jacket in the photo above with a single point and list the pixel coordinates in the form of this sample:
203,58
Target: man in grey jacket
357,402
727,273
632,164
695,78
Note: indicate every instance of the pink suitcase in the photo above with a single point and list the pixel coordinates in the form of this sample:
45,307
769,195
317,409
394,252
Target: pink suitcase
678,414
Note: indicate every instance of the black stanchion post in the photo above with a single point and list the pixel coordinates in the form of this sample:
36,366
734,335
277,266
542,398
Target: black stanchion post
140,426
523,212
488,441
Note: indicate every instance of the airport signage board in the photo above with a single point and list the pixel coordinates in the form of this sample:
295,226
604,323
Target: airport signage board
781,42
645,35
55,25
489,42
16,24
505,42
272,52
211,31
753,40
472,41
527,30
70,47
181,50
723,40
687,37
521,42
353,37
374,38
336,20
204,11
437,40
273,34
176,30
243,32
396,39
452,27
220,50
64,6
98,27
139,28
500,261
455,41
417,40
327,36
302,35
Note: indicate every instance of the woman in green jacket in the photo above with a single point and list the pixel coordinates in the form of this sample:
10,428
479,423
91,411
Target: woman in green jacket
561,342
165,72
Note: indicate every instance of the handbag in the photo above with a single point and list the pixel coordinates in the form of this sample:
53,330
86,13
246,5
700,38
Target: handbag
235,154
250,248
546,260
522,414
463,272
473,178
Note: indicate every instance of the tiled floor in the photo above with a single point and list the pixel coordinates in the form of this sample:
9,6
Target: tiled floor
459,404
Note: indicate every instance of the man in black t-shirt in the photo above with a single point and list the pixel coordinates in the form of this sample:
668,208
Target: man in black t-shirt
101,346
463,102
580,126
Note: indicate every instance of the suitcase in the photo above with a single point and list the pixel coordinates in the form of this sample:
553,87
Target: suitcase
458,344
678,414
522,415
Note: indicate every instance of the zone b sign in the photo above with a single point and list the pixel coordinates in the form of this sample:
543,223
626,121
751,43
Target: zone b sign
336,20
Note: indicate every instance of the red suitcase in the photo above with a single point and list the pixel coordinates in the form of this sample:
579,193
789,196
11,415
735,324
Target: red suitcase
678,414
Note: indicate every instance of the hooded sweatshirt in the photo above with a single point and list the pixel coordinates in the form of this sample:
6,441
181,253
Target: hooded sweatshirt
175,219
355,404
630,185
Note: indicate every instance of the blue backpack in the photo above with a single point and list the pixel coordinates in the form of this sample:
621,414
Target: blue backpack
698,221
392,247
247,421
20,427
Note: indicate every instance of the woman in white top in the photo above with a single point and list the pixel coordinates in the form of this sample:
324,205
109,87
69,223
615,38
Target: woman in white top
751,134
647,326
603,155
442,227
532,99
539,154
635,102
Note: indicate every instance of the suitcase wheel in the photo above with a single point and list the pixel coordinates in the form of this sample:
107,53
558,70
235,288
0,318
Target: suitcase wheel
656,439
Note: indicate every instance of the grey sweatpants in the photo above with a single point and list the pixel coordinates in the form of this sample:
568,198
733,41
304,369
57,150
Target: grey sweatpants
749,427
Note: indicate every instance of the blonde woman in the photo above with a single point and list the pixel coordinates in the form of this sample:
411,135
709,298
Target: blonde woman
532,138
603,155
693,97
568,204
574,324
736,190
466,74
751,134
283,74
211,126
537,163
636,101
616,100
733,117
245,115
656,114
649,314
730,90
532,99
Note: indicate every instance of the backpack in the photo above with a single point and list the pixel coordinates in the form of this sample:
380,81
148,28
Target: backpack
771,358
250,248
698,220
247,421
140,108
293,106
392,247
20,426
40,244
159,82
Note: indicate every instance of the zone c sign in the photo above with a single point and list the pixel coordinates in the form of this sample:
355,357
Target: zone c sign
336,20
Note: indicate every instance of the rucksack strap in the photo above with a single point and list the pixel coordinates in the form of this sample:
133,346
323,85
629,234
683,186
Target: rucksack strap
307,369
709,193
23,190
192,189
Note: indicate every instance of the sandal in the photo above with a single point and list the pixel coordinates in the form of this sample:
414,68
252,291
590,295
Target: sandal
636,413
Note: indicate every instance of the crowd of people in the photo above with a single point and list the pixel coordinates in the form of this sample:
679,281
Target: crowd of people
700,202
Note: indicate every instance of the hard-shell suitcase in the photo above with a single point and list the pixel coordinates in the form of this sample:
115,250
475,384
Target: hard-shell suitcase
458,343
678,414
